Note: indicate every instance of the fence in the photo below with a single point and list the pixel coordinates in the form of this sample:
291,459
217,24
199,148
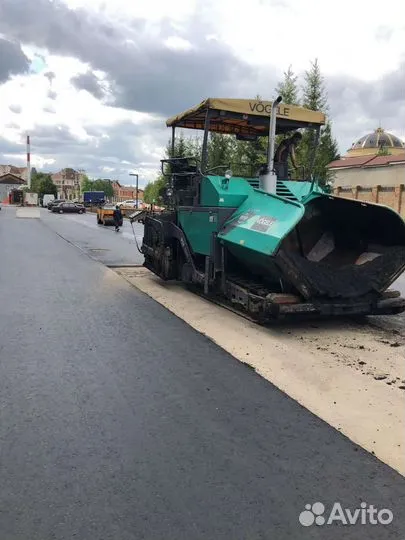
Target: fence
392,196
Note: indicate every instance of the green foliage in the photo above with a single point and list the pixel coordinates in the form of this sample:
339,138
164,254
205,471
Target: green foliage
86,184
289,91
47,187
36,178
249,156
154,190
244,158
312,160
328,151
184,147
103,185
314,93
148,194
42,184
221,152
288,88
97,185
383,151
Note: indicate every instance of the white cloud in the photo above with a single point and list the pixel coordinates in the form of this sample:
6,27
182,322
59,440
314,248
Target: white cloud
343,36
108,169
178,43
76,109
152,10
36,161
349,40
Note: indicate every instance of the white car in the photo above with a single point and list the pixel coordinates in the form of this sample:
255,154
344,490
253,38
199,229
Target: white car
130,204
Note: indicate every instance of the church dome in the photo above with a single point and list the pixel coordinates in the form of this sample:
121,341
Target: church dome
372,143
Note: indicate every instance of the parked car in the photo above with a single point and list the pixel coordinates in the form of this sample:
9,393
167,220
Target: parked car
53,203
127,204
63,207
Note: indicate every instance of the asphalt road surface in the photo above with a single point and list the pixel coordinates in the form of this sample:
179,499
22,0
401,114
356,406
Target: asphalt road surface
99,242
118,421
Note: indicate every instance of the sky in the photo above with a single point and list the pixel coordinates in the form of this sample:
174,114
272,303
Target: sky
93,81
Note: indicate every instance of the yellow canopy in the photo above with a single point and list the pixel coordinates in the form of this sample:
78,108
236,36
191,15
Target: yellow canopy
245,117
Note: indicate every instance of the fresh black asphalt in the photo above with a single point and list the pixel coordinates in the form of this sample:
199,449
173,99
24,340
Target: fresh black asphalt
99,242
118,421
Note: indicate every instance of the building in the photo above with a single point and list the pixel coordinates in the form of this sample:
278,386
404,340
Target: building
67,182
21,172
125,193
368,171
373,170
12,178
379,141
8,182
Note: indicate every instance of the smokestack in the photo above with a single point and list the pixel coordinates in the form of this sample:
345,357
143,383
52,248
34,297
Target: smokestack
28,163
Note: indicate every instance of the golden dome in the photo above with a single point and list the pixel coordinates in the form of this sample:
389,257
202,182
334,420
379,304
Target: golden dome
375,142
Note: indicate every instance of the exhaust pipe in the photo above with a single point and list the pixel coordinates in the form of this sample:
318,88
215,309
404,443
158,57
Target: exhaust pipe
268,180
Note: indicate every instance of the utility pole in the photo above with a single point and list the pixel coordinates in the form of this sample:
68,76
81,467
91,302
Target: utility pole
28,162
134,174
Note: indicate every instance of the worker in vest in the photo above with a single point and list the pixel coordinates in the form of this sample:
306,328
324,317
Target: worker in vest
117,215
285,150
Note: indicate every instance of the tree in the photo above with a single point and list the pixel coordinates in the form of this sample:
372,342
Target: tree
97,185
221,151
153,190
194,147
250,155
103,185
288,88
148,193
46,186
328,151
183,147
86,183
42,184
314,92
36,179
383,151
180,147
315,98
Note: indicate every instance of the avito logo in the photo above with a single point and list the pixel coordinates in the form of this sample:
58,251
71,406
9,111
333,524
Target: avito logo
366,514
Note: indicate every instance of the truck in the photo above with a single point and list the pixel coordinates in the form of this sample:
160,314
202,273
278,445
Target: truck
93,198
47,198
268,243
30,199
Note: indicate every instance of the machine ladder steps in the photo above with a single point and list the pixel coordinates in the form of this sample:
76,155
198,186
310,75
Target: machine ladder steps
281,189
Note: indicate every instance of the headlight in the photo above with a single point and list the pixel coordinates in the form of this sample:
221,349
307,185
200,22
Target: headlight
169,192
